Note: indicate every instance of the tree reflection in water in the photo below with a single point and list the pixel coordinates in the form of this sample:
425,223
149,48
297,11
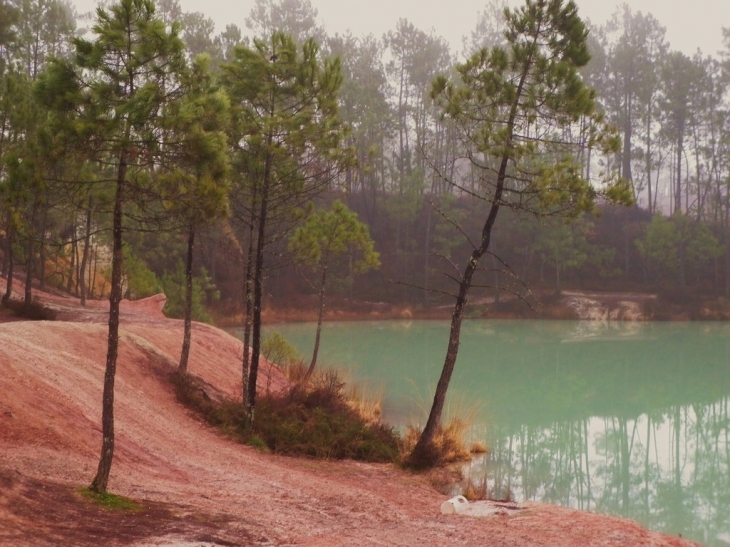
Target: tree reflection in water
668,469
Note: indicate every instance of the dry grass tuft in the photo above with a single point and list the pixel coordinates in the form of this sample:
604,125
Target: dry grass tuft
368,405
449,443
475,488
478,448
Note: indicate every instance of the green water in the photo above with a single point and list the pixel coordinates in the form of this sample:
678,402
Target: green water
625,419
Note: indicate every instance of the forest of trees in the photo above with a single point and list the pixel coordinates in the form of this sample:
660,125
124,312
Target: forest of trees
142,150
398,157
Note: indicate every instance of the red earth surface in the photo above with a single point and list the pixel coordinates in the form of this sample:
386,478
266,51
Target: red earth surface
197,487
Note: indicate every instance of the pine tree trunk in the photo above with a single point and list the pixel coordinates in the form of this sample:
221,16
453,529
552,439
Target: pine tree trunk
678,193
312,364
41,267
10,237
648,157
92,283
248,319
258,285
424,453
101,480
85,255
30,258
185,354
6,245
72,266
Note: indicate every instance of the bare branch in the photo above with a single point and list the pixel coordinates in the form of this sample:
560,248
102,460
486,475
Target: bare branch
452,222
436,291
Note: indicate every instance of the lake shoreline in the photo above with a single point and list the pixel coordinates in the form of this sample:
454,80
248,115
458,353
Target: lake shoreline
186,475
570,305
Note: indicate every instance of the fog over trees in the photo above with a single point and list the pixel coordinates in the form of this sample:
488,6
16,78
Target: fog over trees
669,109
116,168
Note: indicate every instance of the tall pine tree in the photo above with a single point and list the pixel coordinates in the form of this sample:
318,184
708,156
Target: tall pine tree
516,106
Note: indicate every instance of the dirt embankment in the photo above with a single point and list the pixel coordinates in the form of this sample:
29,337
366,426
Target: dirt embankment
571,304
197,487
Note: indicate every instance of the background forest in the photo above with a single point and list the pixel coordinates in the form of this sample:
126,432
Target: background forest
370,137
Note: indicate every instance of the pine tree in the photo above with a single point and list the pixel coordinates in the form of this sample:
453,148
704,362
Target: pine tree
111,99
516,107
195,186
288,146
325,235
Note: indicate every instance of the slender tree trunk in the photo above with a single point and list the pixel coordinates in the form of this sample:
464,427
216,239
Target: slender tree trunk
423,453
30,258
72,265
258,284
10,237
188,320
101,480
41,268
678,193
78,270
248,318
85,255
648,156
92,284
6,244
312,364
401,125
626,156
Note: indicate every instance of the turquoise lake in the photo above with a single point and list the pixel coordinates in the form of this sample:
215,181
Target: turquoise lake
628,419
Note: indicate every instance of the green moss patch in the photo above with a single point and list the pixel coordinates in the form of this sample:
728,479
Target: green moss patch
111,501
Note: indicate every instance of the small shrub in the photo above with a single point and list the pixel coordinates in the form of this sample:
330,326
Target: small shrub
277,350
318,422
258,443
190,393
141,281
204,293
35,311
315,421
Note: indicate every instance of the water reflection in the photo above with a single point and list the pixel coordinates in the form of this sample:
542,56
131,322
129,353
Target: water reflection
629,419
668,469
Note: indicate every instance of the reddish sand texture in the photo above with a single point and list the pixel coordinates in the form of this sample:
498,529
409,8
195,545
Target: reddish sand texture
198,488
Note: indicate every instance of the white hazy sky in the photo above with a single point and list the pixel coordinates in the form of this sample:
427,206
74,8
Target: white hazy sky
690,24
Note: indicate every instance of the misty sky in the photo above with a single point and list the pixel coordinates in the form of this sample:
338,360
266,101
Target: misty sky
690,24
